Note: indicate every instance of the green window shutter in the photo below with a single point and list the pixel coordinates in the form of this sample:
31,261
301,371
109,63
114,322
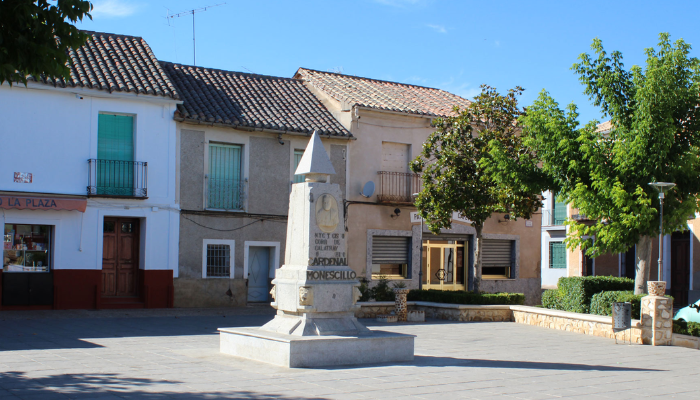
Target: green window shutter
224,188
115,154
559,212
297,158
115,137
557,255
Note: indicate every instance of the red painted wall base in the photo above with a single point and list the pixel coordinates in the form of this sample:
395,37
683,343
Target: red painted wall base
157,288
82,289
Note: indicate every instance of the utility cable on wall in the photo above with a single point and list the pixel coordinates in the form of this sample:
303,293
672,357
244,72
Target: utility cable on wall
227,230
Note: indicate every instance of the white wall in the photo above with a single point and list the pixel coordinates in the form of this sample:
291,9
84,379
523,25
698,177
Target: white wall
51,133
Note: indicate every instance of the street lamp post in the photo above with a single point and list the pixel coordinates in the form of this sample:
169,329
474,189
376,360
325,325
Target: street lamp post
420,271
661,187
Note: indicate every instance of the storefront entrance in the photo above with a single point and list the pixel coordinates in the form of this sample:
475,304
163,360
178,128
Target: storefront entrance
120,257
680,268
444,264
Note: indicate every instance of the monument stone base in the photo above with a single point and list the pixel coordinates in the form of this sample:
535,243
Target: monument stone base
316,351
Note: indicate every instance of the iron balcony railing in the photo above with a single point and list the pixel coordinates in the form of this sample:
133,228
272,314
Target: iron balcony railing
225,194
116,178
553,218
398,187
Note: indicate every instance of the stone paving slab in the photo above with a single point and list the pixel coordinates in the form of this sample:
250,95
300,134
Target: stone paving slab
154,354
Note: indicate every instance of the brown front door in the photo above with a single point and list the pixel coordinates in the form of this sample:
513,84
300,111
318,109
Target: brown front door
120,256
680,268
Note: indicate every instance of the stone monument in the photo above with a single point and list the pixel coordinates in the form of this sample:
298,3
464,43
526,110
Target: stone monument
315,292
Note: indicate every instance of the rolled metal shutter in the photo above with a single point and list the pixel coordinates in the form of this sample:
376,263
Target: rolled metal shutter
496,253
390,250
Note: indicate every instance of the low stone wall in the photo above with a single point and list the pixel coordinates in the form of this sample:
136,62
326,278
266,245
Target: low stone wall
595,325
451,312
690,342
464,312
372,309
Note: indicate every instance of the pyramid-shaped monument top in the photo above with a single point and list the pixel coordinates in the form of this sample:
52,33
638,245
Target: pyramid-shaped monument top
315,163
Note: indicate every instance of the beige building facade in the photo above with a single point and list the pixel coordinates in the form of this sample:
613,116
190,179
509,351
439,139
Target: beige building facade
386,238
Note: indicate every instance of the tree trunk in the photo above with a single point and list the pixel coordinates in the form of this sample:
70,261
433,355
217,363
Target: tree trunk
643,265
476,273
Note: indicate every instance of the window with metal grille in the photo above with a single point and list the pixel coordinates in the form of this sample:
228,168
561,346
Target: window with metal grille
557,255
391,256
218,260
297,159
497,259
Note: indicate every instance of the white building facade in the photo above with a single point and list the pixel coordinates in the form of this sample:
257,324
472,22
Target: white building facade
88,184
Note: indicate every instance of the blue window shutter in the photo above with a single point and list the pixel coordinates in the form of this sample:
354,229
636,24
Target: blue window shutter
224,189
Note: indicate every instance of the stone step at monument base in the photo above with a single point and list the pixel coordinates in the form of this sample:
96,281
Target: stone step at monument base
316,351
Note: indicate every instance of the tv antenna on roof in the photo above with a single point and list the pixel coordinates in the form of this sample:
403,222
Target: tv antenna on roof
192,12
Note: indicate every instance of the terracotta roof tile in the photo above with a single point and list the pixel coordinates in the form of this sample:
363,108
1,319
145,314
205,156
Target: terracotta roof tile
115,63
249,100
604,127
383,95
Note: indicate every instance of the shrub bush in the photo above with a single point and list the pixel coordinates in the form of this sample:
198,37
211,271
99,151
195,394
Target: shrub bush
380,292
601,303
552,299
455,297
577,291
686,328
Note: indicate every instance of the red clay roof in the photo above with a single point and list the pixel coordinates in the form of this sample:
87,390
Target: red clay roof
115,63
383,95
250,101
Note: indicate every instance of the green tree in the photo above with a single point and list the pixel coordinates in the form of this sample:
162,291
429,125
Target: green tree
35,37
457,161
654,137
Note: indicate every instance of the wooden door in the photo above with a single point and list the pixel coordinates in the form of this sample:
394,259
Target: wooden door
120,257
680,268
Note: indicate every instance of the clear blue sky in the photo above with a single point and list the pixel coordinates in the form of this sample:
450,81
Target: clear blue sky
451,45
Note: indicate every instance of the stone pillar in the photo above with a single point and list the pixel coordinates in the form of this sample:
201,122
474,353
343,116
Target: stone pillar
401,308
657,316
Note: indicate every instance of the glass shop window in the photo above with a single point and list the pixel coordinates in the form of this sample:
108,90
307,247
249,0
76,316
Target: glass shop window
26,248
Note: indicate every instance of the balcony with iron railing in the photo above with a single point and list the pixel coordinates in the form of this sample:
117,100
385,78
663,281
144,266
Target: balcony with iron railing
225,194
553,218
117,178
398,187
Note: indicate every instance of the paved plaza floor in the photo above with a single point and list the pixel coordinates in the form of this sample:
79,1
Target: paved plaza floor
150,354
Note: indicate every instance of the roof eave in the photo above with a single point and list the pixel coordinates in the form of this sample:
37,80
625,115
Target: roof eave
193,121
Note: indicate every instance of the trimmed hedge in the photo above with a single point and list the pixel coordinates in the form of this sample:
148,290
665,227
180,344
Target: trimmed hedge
576,292
552,299
601,303
455,297
686,328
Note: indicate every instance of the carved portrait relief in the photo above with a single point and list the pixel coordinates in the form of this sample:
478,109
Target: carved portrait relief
306,296
327,213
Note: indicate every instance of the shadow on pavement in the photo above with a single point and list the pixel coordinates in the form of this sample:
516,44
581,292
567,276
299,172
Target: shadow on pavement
39,334
113,386
431,361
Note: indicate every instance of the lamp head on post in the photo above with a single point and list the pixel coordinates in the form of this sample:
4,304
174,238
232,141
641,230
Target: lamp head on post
662,187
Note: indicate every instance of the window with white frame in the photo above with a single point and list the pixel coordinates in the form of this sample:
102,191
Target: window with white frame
297,159
217,258
225,184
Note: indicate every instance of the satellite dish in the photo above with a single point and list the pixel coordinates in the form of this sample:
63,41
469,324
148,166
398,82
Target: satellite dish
368,190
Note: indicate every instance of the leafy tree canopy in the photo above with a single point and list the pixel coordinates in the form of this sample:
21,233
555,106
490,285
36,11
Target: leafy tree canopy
35,37
457,163
653,137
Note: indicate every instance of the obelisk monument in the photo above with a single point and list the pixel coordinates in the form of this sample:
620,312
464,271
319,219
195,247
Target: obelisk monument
315,292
